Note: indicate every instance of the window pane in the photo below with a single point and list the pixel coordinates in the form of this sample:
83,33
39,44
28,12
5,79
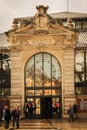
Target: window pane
38,92
79,61
47,70
29,92
38,70
7,91
56,73
47,92
56,92
79,66
84,24
79,77
78,24
30,73
37,104
81,90
43,76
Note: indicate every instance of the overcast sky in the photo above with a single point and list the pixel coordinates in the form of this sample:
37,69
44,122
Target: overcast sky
10,9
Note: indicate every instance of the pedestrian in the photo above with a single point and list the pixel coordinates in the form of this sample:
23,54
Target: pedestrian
7,117
16,117
3,118
30,110
26,110
75,111
71,113
58,110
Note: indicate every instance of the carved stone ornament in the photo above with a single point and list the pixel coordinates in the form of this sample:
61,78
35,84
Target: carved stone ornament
34,31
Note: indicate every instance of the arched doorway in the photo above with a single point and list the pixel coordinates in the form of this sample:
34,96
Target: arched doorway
43,88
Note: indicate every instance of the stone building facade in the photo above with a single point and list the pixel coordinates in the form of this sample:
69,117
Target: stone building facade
42,34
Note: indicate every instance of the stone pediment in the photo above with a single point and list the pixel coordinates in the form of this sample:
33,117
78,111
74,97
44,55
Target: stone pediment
40,23
30,30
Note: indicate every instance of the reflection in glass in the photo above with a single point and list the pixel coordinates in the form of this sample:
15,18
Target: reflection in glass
79,77
29,92
38,70
5,74
56,92
2,92
84,24
47,92
43,76
38,92
79,66
43,70
81,90
78,24
56,73
47,70
30,73
79,62
37,110
7,91
37,103
80,72
55,104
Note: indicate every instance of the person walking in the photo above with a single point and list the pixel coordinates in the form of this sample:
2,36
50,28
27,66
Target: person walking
7,117
71,113
16,117
26,110
75,111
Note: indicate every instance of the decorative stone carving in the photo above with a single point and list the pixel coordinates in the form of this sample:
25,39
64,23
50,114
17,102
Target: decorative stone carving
34,31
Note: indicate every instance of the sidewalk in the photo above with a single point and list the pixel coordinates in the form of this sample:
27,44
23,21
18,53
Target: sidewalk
50,124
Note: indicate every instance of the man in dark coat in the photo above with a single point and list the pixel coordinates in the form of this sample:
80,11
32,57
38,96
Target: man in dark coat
75,110
16,116
7,117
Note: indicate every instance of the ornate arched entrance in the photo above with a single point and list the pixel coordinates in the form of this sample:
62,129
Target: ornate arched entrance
43,85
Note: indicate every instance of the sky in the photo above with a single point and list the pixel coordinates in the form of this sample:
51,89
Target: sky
10,9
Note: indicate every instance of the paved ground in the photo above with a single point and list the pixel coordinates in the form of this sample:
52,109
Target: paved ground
50,124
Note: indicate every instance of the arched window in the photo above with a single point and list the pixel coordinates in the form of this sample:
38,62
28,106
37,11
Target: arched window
43,75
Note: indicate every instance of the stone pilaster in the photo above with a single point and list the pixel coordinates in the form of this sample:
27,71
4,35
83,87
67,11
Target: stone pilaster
68,97
16,82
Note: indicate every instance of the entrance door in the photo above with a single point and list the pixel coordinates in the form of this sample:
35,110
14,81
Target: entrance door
46,107
43,76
